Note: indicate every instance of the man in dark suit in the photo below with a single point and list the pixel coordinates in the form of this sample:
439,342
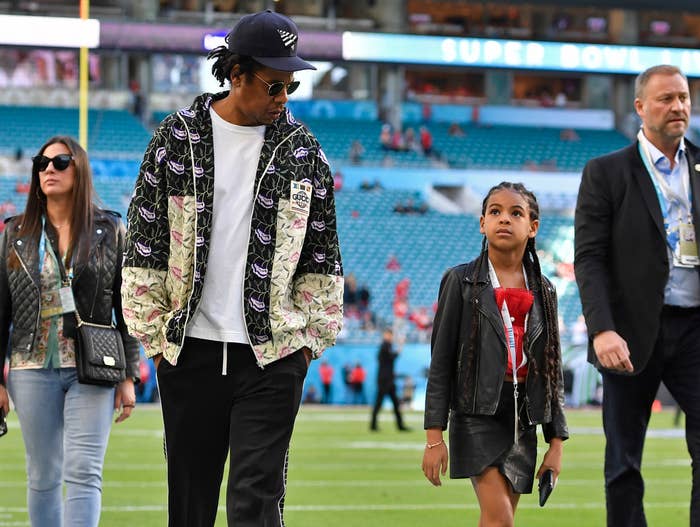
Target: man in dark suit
637,270
386,381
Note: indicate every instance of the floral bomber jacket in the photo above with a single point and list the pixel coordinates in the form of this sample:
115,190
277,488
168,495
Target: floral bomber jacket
293,286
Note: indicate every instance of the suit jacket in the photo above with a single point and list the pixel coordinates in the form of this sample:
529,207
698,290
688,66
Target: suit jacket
621,256
385,374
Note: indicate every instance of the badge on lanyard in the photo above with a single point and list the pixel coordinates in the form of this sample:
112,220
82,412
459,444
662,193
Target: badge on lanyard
680,239
688,247
67,300
57,302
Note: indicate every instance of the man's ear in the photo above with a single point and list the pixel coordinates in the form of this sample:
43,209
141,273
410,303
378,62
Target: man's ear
236,76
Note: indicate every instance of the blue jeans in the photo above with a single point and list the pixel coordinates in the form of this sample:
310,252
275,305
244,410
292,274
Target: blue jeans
65,426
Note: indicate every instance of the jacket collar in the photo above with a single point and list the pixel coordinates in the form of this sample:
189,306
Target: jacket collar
482,279
197,115
470,271
649,192
27,249
694,169
485,299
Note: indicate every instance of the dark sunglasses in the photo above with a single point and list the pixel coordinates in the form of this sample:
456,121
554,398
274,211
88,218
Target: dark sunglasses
60,162
276,88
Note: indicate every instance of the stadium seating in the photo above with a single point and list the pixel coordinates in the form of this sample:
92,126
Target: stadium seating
426,245
514,147
115,134
370,233
484,147
118,135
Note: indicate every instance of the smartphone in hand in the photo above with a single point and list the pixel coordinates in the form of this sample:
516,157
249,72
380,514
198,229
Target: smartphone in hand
546,485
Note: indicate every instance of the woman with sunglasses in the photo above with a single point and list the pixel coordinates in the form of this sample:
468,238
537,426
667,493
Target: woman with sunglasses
63,253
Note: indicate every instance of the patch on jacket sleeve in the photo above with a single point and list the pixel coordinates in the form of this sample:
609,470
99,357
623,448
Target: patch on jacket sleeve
300,197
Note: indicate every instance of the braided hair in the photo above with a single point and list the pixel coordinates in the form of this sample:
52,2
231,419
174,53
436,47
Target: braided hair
533,271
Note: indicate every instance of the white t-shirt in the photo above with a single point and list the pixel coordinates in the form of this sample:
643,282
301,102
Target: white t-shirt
219,316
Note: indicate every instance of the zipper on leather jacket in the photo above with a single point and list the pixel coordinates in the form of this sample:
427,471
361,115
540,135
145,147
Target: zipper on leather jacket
460,375
526,402
533,336
38,313
459,365
476,381
98,287
530,340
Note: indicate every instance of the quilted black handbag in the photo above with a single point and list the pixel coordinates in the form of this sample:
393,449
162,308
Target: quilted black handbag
99,354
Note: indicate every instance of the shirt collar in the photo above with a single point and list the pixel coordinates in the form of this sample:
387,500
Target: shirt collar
657,155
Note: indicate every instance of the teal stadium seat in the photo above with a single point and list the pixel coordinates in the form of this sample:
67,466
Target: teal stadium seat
113,133
426,246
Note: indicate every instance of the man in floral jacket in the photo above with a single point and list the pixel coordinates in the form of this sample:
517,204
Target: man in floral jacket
232,276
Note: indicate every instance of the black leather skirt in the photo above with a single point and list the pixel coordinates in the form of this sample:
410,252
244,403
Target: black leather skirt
481,441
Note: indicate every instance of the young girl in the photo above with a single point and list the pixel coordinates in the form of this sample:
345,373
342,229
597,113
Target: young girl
495,348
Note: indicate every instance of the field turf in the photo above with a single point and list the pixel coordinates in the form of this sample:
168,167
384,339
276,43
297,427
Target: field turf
343,475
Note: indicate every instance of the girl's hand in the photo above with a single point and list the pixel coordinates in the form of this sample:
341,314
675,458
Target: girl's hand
435,462
124,399
552,458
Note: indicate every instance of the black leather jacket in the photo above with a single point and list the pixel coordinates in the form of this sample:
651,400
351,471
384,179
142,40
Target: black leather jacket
452,386
96,288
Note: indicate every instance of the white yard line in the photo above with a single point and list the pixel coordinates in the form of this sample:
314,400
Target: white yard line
383,507
360,483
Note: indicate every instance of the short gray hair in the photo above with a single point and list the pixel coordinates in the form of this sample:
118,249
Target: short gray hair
662,69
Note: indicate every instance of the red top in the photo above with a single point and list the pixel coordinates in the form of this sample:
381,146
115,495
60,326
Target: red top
326,373
519,303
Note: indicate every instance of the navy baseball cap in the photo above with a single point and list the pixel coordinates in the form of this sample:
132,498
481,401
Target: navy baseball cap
270,38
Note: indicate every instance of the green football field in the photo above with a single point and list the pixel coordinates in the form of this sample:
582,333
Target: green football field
342,475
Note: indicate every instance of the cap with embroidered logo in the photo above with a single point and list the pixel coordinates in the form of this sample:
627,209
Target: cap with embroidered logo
270,38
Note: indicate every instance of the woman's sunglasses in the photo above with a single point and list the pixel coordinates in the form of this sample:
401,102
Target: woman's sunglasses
276,88
60,162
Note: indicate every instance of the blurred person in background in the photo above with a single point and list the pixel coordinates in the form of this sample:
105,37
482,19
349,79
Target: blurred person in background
638,272
358,374
386,381
326,372
63,252
233,277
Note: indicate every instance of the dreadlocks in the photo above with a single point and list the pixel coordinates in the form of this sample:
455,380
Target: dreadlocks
225,61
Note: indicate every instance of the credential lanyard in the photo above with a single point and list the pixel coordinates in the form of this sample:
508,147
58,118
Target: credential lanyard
63,286
65,272
510,338
663,190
